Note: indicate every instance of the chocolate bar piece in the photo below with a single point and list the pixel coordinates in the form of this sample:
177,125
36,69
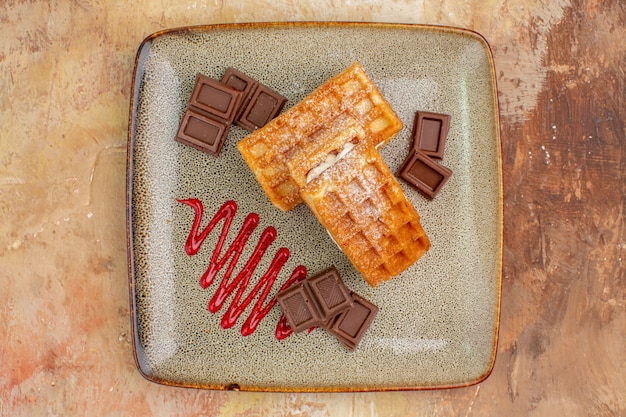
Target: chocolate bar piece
332,295
350,326
299,306
323,300
264,105
240,82
259,104
215,98
214,105
430,131
203,133
426,175
314,301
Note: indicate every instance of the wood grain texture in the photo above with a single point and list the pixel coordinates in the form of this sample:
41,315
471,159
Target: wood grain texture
65,73
563,307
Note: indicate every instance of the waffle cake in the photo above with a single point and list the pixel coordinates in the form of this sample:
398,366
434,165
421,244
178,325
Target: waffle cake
359,201
323,148
348,98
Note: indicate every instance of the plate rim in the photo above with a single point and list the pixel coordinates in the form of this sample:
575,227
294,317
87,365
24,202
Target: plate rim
143,50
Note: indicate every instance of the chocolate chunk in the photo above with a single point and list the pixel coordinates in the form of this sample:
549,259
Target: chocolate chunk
214,98
216,104
264,105
203,133
350,325
299,306
426,175
430,131
315,301
323,300
240,82
332,295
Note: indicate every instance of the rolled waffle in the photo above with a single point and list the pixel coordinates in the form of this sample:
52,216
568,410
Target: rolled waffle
349,97
359,201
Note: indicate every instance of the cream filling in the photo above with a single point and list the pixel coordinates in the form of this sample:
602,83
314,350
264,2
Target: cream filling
331,159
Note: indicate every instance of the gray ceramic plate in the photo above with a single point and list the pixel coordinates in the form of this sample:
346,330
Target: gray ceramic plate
438,322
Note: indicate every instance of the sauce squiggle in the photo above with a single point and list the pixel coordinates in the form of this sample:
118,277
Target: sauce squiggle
230,259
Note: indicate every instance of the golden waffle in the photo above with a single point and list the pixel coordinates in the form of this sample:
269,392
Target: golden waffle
363,207
323,148
350,94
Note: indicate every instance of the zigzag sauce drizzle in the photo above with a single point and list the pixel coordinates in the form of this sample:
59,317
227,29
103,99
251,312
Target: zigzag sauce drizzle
194,243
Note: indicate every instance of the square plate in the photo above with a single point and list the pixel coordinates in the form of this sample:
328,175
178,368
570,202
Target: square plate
438,322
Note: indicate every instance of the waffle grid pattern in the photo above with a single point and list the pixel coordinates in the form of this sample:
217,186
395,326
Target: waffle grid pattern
349,94
362,205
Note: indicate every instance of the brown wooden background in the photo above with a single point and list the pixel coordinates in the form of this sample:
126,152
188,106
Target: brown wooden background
65,74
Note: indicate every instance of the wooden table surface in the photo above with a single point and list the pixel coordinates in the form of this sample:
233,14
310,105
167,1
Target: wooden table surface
65,77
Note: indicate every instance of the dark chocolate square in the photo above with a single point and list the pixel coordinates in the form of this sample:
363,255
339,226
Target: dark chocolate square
202,132
331,293
424,174
430,131
350,326
240,82
264,105
214,98
299,307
